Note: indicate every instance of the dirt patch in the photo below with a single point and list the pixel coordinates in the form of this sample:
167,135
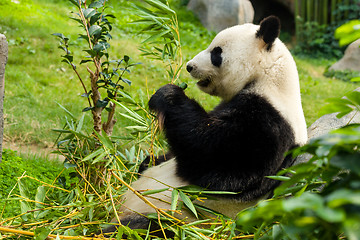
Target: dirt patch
33,150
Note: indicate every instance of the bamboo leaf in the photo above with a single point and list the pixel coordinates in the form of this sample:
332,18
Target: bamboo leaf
159,5
174,200
93,154
23,189
279,178
41,233
105,139
100,157
354,96
137,128
61,130
156,36
132,113
188,203
40,196
154,191
133,119
67,111
81,123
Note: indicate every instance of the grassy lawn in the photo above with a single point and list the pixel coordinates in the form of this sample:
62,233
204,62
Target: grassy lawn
13,166
36,80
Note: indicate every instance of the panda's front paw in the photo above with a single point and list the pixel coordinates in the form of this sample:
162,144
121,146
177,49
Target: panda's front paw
168,95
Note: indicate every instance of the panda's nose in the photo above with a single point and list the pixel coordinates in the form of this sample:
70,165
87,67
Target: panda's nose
189,68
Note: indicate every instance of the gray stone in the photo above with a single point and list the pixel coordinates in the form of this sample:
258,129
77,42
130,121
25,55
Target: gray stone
350,60
217,15
3,60
327,123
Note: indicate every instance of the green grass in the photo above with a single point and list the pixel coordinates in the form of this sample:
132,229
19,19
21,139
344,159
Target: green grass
36,80
12,167
316,89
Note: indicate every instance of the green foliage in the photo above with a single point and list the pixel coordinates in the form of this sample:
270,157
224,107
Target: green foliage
348,32
325,190
160,23
345,75
12,167
317,40
343,106
71,203
107,73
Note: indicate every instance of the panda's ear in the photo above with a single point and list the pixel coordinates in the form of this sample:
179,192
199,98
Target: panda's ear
269,30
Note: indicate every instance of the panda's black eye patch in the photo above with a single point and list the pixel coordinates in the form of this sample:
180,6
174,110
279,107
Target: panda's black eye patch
216,58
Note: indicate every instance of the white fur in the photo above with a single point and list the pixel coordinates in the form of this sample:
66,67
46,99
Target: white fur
157,177
163,176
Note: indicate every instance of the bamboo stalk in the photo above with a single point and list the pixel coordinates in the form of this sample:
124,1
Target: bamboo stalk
309,10
347,3
28,233
320,12
44,183
316,11
338,16
303,9
303,17
325,12
333,6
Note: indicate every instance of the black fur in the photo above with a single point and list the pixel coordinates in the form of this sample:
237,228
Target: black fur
232,148
156,161
216,58
269,30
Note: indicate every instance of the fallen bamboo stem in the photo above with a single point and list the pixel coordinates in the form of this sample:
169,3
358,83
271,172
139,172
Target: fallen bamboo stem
28,233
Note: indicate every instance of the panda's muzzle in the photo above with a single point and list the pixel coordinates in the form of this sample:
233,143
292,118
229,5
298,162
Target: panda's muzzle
201,83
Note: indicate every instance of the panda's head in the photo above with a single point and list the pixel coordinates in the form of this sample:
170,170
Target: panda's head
236,57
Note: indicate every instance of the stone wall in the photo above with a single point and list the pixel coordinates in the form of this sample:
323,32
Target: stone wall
217,15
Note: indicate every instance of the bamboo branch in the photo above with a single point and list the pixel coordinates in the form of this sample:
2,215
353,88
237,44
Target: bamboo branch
109,125
44,183
28,233
95,96
82,83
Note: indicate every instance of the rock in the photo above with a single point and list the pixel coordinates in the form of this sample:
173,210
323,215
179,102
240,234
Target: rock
327,123
350,60
3,60
217,15
283,9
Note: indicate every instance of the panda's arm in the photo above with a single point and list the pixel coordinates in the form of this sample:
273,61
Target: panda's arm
248,125
190,130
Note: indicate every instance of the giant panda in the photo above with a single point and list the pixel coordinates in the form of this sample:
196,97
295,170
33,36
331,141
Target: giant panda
242,140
